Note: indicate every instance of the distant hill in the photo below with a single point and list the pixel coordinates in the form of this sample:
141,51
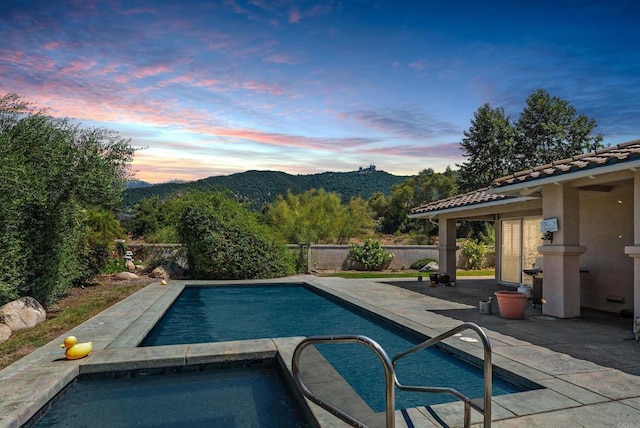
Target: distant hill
261,187
134,184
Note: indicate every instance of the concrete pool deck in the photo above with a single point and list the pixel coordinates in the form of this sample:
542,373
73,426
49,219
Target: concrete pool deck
577,392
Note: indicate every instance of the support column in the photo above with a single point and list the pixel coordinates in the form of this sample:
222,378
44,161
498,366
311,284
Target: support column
561,289
447,248
634,250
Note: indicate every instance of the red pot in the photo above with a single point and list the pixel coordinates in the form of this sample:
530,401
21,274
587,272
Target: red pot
512,304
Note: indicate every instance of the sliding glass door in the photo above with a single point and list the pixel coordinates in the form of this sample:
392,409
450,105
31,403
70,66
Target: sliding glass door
519,248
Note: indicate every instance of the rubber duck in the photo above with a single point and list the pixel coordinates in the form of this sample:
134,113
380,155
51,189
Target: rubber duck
76,350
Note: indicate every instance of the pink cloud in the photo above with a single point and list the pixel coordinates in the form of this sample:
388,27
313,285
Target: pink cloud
51,46
152,70
156,169
32,62
445,150
284,140
76,67
255,85
191,81
294,16
279,59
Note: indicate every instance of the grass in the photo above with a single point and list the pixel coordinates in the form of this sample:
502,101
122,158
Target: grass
414,274
78,306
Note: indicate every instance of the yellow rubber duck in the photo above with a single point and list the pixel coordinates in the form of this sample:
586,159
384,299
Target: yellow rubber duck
76,350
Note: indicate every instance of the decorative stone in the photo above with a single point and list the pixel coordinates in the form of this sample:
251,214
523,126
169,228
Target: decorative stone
5,333
23,313
129,266
127,276
159,272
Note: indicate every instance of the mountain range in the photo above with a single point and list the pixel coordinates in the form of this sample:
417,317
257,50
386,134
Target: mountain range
261,187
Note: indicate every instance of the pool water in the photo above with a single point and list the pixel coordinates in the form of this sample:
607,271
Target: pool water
232,397
216,314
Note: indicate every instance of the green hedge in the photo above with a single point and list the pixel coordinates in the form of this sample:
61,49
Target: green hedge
226,241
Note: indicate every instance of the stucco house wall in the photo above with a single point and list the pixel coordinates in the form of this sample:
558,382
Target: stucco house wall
606,227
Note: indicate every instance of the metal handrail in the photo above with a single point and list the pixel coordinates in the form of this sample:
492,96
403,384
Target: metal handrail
391,378
468,403
377,349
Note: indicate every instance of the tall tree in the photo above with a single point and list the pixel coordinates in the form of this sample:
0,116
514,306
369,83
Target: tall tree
488,146
51,170
428,186
549,129
318,216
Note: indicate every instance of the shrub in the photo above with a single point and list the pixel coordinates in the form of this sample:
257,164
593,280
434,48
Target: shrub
474,252
114,265
370,255
163,235
52,170
226,241
102,229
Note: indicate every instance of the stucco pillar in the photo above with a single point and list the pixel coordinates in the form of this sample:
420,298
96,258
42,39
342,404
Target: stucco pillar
447,248
561,289
634,250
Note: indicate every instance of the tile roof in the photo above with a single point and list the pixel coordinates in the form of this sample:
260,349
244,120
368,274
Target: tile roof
588,161
468,199
608,156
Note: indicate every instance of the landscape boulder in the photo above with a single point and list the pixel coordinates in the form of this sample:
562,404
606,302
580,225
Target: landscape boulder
160,273
129,266
127,276
23,313
5,333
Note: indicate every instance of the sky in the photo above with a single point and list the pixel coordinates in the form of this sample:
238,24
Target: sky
208,88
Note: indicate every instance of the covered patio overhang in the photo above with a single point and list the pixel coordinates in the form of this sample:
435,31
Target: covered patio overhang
595,201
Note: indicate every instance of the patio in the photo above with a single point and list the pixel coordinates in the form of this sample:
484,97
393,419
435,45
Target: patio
582,391
600,337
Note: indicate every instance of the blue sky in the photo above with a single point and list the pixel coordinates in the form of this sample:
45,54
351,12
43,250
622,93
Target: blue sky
214,88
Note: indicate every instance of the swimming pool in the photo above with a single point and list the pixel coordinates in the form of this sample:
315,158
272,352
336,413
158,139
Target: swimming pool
198,396
226,313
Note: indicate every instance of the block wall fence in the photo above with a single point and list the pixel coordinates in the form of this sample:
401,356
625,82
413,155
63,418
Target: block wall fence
319,257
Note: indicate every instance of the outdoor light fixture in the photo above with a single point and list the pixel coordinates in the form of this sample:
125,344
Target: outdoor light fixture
547,227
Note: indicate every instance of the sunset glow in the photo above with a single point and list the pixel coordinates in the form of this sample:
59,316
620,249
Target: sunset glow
215,88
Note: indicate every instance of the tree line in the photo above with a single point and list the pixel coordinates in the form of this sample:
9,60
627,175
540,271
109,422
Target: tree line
258,188
62,184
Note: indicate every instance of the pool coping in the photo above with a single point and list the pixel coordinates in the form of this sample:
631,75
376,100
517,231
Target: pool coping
574,390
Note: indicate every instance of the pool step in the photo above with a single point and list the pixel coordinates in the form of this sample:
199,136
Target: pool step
420,417
439,415
391,416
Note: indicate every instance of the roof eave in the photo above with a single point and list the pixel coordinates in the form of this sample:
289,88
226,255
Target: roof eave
563,178
499,202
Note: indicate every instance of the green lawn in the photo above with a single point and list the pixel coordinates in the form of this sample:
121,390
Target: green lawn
413,274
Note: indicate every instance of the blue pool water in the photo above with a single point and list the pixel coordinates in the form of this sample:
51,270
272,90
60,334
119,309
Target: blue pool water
216,314
233,397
